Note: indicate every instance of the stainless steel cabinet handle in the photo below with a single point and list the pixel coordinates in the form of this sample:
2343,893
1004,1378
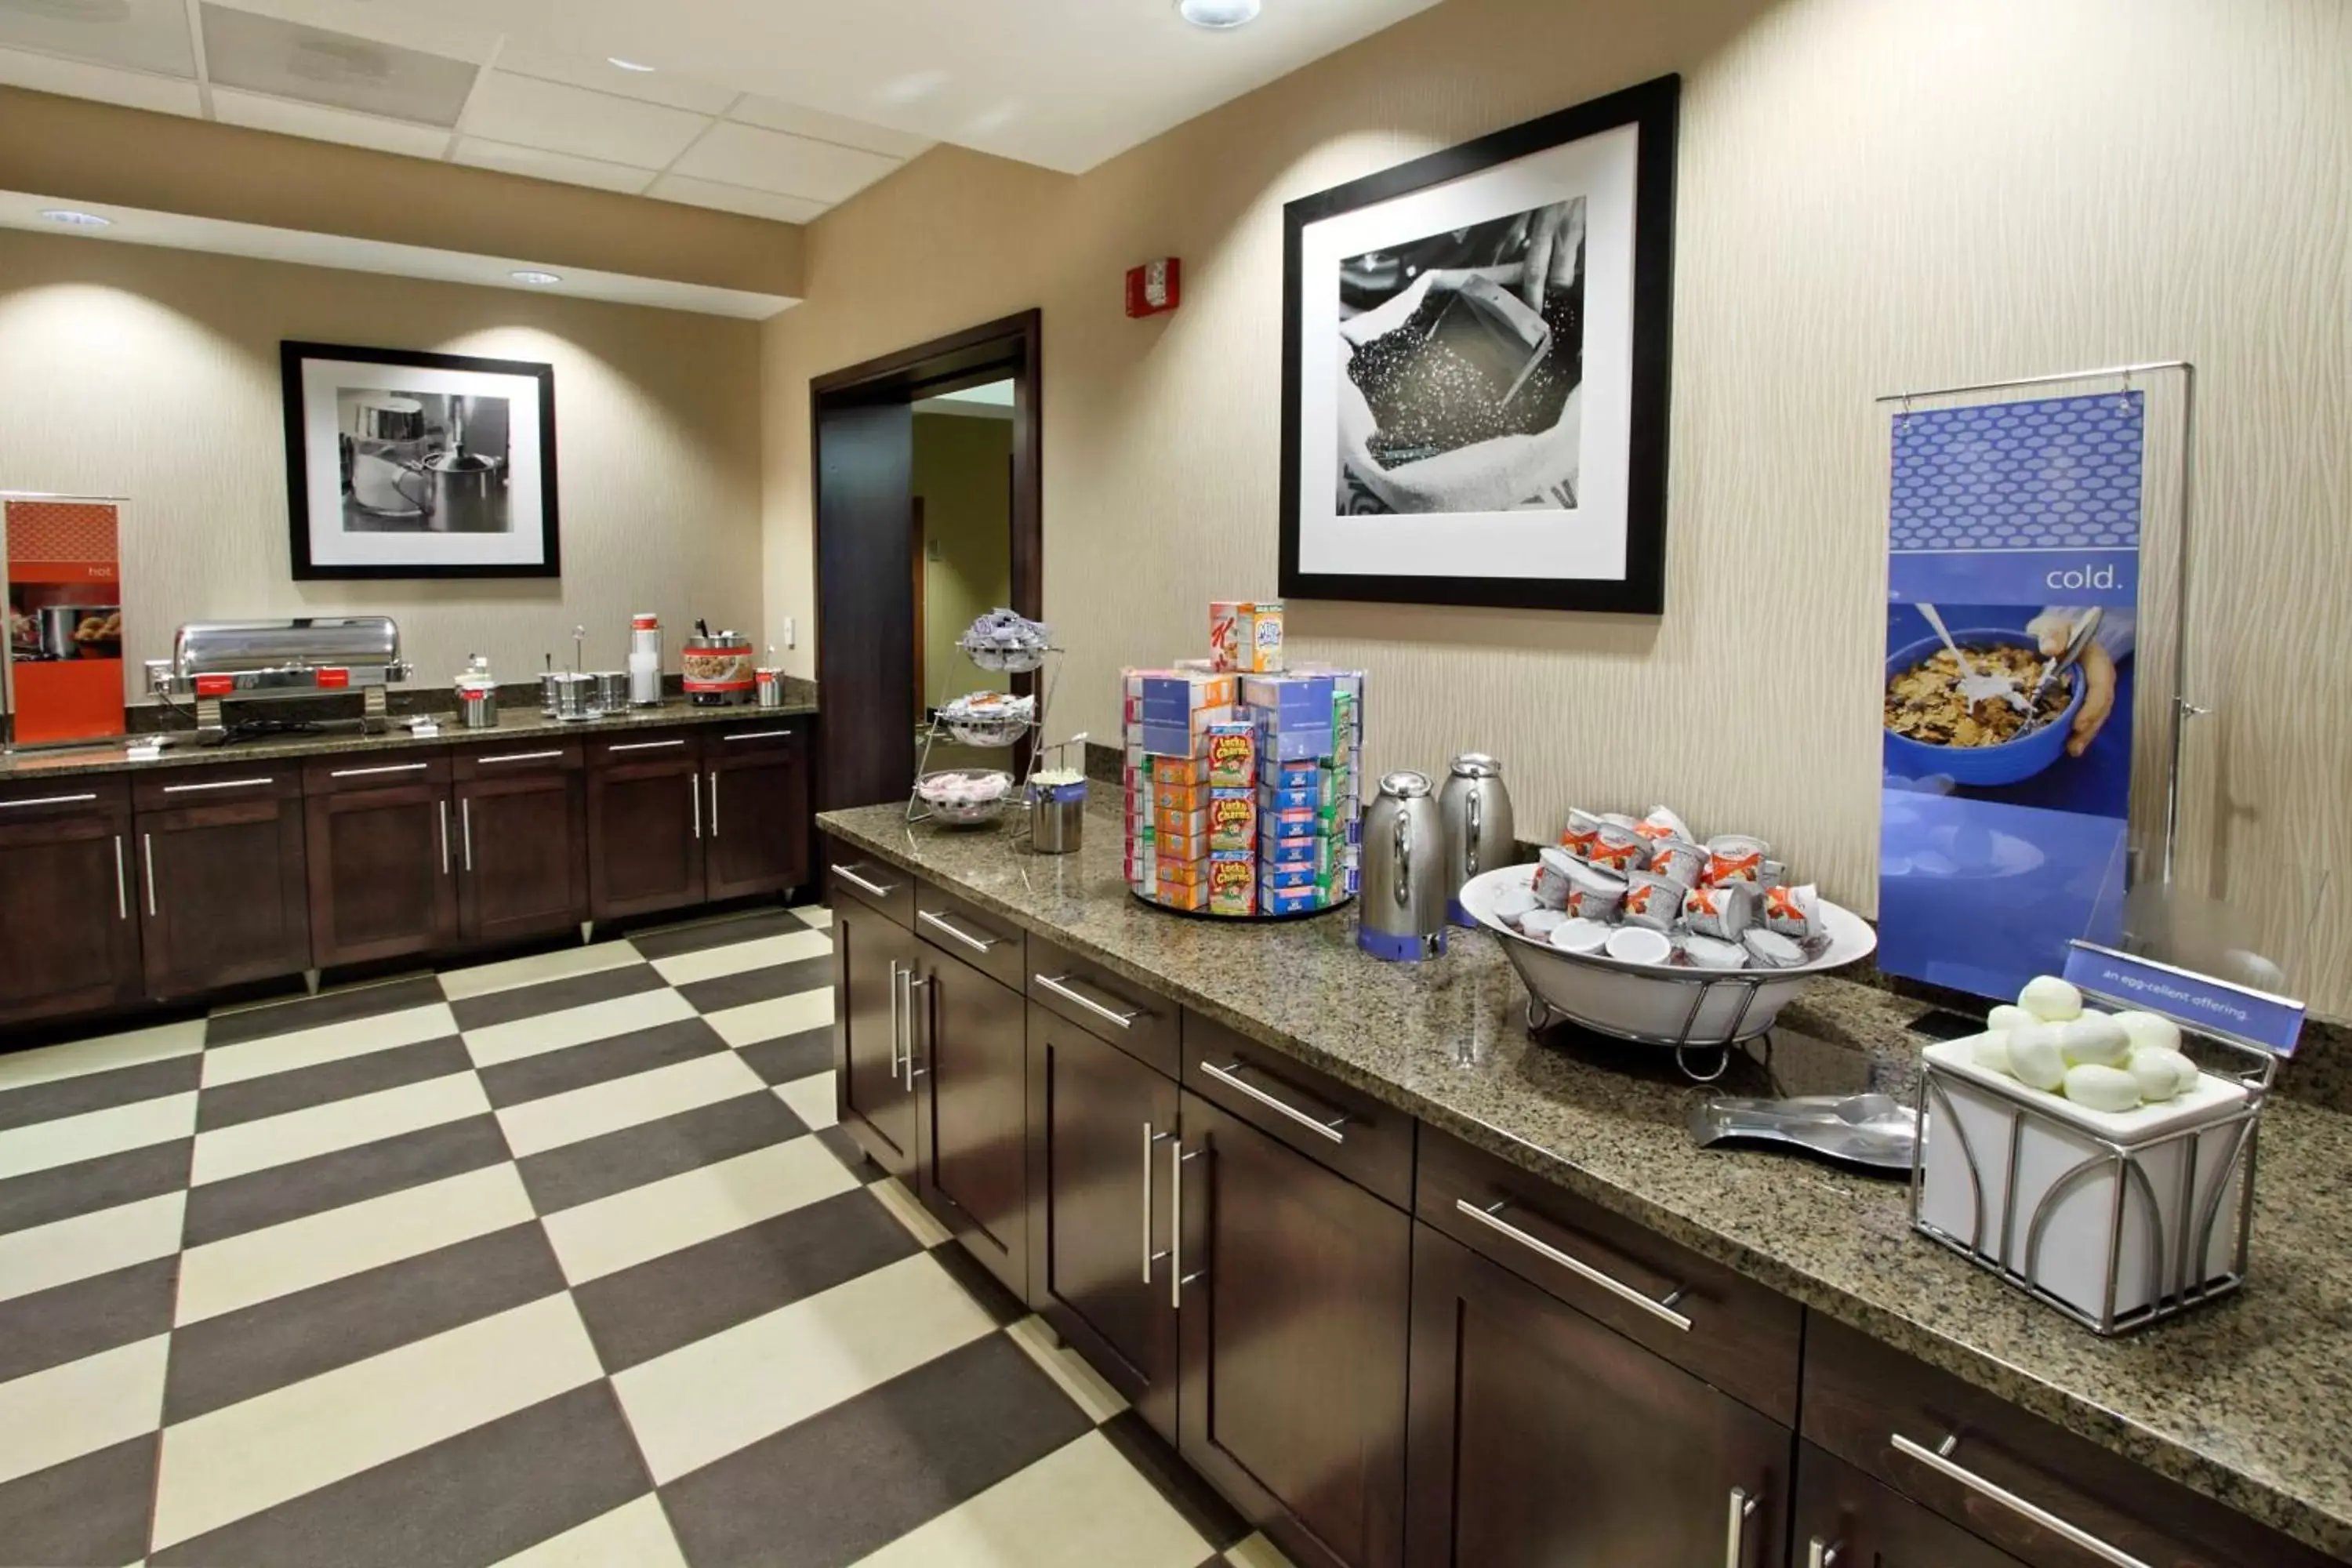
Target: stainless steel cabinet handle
445,836
147,855
522,757
1319,1126
854,880
913,1072
1176,1277
222,783
978,945
1150,1137
1939,1460
644,746
466,827
1058,986
46,800
759,735
694,797
121,894
1490,1217
714,803
387,768
895,1035
1822,1553
1744,1505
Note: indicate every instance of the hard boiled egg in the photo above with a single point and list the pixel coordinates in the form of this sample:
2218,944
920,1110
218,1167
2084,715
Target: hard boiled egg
2034,1057
2094,1039
2051,999
2162,1074
2150,1031
2097,1088
1992,1051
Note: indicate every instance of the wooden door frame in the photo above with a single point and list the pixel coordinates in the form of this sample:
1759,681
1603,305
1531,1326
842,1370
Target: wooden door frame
1009,348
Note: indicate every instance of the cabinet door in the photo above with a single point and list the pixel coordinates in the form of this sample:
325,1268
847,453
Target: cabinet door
522,844
971,1071
68,938
1297,1300
645,829
1102,1147
1539,1435
1846,1520
756,822
872,962
224,898
383,873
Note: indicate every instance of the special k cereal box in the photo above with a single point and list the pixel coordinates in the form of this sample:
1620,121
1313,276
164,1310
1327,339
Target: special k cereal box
1224,619
1232,756
1233,820
1233,882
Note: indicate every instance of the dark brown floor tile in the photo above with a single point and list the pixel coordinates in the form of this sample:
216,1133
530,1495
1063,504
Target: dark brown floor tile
475,1498
299,1088
751,927
67,1322
273,1196
746,986
788,1058
85,1187
99,1091
329,1007
90,1513
844,1482
1202,1507
600,1061
690,1294
599,1167
554,995
845,1150
234,1357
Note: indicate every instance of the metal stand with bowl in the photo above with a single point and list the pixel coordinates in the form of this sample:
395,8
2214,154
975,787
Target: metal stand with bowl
966,797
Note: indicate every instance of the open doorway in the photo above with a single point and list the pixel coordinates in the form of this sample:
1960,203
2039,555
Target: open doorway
927,501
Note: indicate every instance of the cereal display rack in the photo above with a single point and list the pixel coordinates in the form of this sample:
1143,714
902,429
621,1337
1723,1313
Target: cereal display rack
989,734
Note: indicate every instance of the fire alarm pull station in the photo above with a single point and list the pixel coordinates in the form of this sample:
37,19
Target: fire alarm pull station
1155,288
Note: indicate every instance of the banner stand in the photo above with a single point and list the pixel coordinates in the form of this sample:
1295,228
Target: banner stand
64,582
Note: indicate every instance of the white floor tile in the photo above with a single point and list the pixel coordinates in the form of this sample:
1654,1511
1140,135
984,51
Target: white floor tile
1256,1551
892,1194
233,1462
484,979
342,1124
45,1145
512,1041
811,1098
327,1043
707,1399
1080,1506
709,963
634,1535
65,1412
91,1244
262,1265
627,1228
818,917
1082,1383
771,1019
22,1070
538,1125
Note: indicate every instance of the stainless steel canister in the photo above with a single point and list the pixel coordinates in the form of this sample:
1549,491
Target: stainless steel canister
1475,810
1057,817
575,695
547,692
611,692
477,705
1402,906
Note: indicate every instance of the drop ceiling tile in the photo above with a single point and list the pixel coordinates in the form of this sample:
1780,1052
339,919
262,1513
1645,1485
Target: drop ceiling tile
285,59
787,165
289,118
145,35
76,79
734,199
772,115
525,58
524,112
433,31
543,165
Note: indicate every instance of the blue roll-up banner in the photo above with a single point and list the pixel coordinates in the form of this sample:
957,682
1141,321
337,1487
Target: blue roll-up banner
2004,819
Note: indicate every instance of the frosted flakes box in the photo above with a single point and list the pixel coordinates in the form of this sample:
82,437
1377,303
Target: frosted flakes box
1288,879
1232,818
1231,754
1276,774
1232,876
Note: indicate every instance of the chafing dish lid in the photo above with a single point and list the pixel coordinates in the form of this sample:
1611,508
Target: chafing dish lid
219,648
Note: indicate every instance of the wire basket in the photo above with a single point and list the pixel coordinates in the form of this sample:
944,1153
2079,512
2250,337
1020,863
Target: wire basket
965,813
987,732
1007,661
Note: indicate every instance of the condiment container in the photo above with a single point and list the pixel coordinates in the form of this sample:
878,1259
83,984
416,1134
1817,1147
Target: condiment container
645,661
1475,811
717,666
1402,913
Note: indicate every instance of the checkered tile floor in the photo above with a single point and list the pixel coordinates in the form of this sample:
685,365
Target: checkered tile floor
553,1261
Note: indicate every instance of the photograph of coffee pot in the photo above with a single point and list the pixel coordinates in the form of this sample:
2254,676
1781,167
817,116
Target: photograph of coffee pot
423,461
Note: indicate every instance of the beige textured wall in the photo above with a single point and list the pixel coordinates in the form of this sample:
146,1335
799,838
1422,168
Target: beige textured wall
154,375
964,474
1873,197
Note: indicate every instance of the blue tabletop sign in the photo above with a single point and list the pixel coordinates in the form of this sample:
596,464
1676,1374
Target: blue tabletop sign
2195,1002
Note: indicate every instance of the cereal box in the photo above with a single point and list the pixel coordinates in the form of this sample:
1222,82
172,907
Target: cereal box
1180,770
1179,797
1175,824
1232,755
1257,636
1232,876
1182,846
1232,818
1183,873
1287,902
1180,895
1225,623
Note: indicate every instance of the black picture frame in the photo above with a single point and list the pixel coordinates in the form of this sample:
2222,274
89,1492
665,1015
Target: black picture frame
1652,106
291,357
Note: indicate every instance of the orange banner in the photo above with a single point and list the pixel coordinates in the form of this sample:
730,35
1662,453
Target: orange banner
64,619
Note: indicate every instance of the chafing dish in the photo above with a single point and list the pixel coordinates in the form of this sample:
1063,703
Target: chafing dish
216,661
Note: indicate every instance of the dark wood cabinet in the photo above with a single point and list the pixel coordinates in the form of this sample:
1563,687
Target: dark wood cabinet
522,842
1846,1520
1296,1291
381,859
224,898
873,991
68,930
969,1063
1540,1436
755,818
645,826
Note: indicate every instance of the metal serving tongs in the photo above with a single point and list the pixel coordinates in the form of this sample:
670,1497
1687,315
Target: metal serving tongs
2069,657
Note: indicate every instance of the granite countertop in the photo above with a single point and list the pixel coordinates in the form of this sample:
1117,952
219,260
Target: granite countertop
524,723
2247,1400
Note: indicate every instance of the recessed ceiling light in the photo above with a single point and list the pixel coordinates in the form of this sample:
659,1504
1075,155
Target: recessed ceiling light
538,279
626,65
77,220
1218,13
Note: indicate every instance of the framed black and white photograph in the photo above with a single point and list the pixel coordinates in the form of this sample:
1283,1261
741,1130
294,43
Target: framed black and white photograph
1476,365
405,464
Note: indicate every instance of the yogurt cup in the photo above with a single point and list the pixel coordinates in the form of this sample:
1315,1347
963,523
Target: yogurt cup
1666,817
1771,949
1794,912
1707,952
1580,936
1539,924
1638,944
1619,846
1594,894
1652,900
1734,858
1723,912
1678,860
1578,838
1553,879
1513,904
1771,874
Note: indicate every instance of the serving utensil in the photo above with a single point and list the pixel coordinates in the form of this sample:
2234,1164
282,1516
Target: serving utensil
1975,686
2068,657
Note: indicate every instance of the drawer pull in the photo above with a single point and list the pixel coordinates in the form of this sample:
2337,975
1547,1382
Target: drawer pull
1490,1217
147,859
1939,1460
443,803
520,757
1824,1554
387,768
121,897
694,799
1321,1127
47,800
978,945
1744,1505
875,888
465,825
1150,1137
219,783
1058,986
759,735
643,746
